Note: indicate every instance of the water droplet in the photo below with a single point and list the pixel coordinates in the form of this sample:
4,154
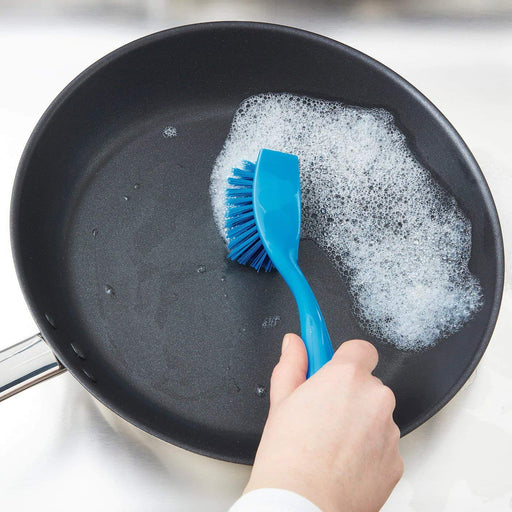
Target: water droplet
223,279
79,353
170,132
261,391
94,232
126,198
110,291
89,375
50,320
201,269
225,295
136,186
235,383
242,330
271,321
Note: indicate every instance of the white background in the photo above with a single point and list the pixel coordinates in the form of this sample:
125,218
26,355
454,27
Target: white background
58,444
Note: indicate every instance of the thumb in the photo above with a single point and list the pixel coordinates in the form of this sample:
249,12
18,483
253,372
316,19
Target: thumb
291,370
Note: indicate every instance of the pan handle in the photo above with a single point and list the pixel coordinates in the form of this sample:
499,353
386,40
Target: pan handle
26,364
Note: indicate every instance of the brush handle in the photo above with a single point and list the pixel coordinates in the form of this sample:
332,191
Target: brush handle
313,329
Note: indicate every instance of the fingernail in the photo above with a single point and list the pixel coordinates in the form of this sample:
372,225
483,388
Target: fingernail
286,342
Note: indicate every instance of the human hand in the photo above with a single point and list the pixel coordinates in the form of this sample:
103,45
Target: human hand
332,438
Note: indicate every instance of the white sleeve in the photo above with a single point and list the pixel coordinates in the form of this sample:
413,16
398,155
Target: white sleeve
273,500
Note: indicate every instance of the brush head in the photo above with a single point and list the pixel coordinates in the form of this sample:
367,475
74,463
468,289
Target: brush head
264,210
244,241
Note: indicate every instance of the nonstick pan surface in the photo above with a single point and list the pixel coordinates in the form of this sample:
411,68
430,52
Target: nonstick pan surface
124,269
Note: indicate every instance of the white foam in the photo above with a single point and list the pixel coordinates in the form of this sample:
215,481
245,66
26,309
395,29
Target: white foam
398,238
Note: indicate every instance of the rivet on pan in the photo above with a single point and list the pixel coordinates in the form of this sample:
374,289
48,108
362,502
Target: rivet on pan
50,320
89,375
77,351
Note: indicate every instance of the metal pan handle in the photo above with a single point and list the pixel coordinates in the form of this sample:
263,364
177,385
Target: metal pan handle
26,364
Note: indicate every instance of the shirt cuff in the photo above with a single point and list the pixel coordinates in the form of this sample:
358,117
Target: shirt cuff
273,500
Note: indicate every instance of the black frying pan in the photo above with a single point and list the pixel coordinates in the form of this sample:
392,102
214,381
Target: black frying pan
123,267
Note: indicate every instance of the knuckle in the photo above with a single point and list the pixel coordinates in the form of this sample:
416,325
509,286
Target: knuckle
351,371
367,350
370,349
396,432
360,347
377,380
399,468
387,397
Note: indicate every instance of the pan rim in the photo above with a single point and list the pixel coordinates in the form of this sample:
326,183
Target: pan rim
417,96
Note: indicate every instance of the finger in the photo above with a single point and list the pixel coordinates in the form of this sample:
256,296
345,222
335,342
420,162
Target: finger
387,398
358,352
291,370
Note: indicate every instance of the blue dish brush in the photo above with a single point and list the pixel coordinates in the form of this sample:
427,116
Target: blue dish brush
263,231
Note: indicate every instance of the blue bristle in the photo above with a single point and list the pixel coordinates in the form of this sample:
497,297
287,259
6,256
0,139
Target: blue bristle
241,182
249,166
239,219
244,241
234,200
234,211
239,192
241,247
242,230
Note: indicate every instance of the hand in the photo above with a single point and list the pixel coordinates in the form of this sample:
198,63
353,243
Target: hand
332,438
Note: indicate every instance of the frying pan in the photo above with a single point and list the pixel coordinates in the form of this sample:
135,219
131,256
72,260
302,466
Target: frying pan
125,272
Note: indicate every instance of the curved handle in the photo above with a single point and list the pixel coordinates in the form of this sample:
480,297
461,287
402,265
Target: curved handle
313,329
26,364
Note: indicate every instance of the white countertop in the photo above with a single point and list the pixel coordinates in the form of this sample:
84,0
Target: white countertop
61,450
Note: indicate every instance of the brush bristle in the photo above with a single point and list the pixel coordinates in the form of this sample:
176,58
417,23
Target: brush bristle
244,242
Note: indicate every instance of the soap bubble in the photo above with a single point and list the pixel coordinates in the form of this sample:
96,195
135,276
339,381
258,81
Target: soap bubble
398,239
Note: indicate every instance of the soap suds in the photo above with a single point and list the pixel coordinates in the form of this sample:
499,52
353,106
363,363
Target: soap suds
399,240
